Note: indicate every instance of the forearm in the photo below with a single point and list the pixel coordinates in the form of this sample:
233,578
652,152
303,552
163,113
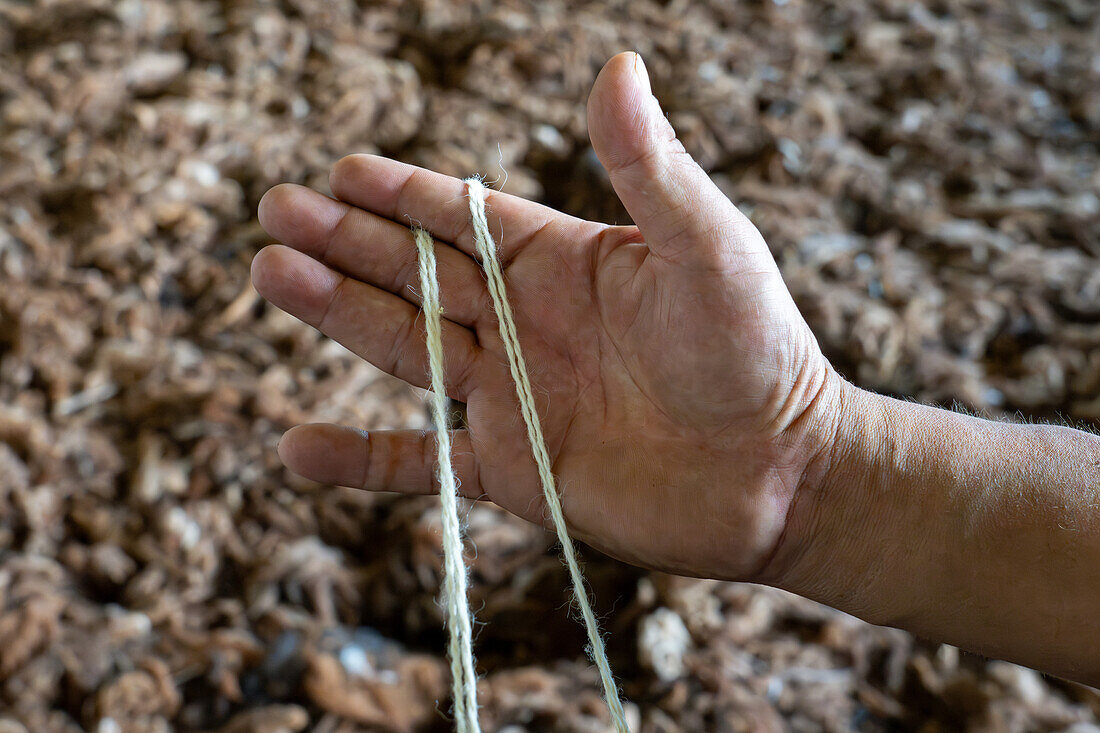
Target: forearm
985,535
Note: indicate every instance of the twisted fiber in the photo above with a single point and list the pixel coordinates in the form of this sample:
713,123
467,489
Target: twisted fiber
486,249
460,647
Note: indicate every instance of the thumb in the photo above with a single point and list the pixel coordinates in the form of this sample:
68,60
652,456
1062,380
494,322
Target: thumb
680,212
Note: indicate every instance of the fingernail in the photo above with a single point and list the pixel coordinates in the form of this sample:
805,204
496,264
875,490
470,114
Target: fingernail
641,73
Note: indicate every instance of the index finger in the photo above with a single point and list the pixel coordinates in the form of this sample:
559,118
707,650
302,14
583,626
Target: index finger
437,202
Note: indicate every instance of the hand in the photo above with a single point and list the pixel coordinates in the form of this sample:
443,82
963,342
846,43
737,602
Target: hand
683,397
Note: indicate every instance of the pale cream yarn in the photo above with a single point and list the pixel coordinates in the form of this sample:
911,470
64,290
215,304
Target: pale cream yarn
458,616
460,646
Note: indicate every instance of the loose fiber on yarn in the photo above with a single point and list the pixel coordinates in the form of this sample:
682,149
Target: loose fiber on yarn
486,250
460,645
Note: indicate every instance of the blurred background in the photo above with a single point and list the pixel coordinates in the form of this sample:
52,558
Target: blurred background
925,172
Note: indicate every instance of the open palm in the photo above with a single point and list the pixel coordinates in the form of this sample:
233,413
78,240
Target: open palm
682,395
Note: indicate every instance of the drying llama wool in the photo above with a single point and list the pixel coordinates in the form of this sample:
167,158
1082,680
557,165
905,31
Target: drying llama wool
455,582
460,646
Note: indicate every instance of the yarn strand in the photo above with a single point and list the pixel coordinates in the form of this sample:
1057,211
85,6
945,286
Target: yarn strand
486,250
460,646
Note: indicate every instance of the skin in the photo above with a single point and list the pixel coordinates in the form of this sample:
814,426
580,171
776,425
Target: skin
694,425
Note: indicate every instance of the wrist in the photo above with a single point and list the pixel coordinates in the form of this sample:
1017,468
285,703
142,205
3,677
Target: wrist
840,537
976,533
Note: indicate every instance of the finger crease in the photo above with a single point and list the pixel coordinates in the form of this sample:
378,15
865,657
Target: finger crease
399,197
334,233
331,302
